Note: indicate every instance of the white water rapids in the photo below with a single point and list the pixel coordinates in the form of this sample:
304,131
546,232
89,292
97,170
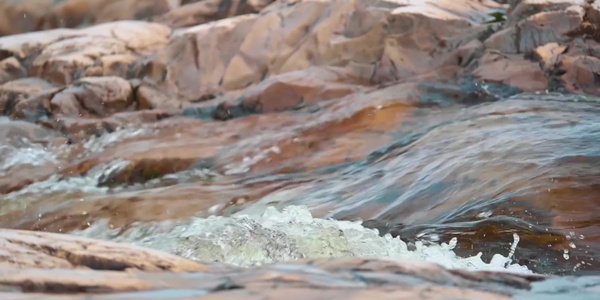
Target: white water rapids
292,234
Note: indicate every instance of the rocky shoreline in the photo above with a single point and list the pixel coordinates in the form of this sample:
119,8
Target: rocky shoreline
163,69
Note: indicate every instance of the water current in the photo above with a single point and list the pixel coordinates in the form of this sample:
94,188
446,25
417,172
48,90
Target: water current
512,184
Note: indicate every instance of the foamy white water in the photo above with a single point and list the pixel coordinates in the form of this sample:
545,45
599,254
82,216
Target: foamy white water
292,234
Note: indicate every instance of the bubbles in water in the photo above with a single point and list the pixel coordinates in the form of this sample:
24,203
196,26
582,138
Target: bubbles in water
291,234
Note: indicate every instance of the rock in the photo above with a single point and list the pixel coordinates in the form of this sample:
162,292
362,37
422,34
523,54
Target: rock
27,249
537,30
346,278
370,43
28,45
131,10
549,55
211,10
98,96
151,97
62,56
14,93
522,9
511,69
11,69
184,71
582,74
589,26
321,87
93,97
23,16
300,88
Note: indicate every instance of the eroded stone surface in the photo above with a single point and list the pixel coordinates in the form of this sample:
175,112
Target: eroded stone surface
37,264
370,43
26,249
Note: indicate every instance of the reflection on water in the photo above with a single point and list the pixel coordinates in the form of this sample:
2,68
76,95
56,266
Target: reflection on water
426,166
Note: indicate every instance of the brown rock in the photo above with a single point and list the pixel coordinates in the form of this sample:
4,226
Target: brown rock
22,16
549,55
513,70
189,74
361,279
27,249
11,69
305,87
75,13
65,55
582,74
93,96
589,27
371,44
131,10
28,45
522,9
537,30
150,97
104,96
206,11
15,92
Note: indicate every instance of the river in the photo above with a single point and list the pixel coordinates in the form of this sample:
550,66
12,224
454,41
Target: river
509,183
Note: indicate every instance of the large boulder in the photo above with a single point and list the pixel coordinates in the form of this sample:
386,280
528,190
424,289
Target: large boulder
378,41
63,55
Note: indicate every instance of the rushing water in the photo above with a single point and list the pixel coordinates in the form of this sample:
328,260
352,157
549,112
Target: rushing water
503,185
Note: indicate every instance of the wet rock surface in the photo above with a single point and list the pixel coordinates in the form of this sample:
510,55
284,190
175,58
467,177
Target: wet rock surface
317,279
26,249
73,266
431,120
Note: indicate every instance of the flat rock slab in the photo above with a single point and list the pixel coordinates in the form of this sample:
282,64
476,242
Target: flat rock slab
28,249
35,264
341,278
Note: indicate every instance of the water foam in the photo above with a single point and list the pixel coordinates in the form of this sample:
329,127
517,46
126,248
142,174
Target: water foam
33,155
97,144
288,235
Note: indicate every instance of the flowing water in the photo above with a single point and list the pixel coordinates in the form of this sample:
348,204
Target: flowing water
505,182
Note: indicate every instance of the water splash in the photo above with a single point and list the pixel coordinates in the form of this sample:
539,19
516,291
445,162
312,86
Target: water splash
98,144
31,154
291,234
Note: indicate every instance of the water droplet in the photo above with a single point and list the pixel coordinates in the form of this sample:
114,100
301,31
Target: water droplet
485,214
